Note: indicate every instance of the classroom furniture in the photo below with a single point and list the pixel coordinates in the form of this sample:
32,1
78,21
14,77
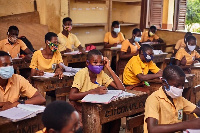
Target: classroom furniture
196,71
94,115
76,58
20,63
30,125
157,45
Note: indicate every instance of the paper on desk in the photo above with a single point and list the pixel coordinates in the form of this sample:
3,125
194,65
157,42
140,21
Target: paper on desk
192,131
157,52
71,73
46,75
33,108
73,52
196,64
117,47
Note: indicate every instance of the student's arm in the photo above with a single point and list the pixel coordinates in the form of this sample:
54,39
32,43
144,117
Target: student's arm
106,41
126,55
117,84
143,77
81,49
154,127
35,72
197,111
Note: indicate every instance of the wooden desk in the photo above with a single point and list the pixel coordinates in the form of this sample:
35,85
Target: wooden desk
20,64
196,71
30,125
69,58
157,45
94,115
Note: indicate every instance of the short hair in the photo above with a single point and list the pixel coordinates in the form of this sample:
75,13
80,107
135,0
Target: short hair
189,38
57,115
66,19
49,36
187,34
93,52
3,53
172,71
153,27
13,28
115,23
145,47
136,30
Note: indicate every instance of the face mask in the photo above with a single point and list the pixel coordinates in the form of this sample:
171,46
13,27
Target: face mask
6,72
12,39
117,30
151,33
53,46
147,57
172,91
67,28
191,48
137,39
95,69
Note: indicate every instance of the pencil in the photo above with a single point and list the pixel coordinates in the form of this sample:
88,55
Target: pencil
195,115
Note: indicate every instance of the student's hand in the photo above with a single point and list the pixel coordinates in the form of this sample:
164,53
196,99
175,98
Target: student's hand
39,73
59,73
106,62
9,105
100,90
194,124
183,61
114,45
68,50
27,58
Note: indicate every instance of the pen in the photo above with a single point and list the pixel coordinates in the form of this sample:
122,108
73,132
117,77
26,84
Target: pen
195,115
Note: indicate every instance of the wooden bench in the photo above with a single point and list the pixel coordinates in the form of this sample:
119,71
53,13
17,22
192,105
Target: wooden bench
134,124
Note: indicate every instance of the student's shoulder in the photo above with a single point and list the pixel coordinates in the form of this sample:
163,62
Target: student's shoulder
154,96
16,78
83,71
108,33
37,52
126,41
120,33
4,41
60,34
181,50
72,35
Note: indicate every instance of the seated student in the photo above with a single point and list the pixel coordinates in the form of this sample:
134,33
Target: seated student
181,43
150,36
187,54
60,116
93,80
12,86
164,108
137,68
49,59
114,37
12,44
131,44
66,39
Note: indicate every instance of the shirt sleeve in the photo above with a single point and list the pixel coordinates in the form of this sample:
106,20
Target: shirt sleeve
197,55
121,37
79,79
178,44
179,55
153,68
124,46
59,58
106,38
156,37
22,45
34,60
76,41
61,44
135,68
26,88
188,107
106,79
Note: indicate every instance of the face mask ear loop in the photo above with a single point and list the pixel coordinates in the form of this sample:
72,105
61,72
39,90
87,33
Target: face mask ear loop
167,84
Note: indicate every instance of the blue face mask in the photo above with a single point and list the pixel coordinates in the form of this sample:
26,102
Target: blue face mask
147,57
137,39
6,72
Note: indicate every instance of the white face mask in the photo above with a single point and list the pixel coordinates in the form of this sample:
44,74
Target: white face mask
173,92
137,39
191,48
117,30
6,72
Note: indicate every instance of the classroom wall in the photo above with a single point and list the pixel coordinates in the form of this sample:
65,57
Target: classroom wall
168,14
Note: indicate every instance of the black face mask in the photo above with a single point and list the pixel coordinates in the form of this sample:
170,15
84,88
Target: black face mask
80,130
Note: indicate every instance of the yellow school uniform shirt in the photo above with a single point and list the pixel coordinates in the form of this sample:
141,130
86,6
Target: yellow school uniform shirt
42,131
158,106
189,57
48,65
109,39
83,83
180,44
12,49
16,86
146,37
134,67
67,42
134,47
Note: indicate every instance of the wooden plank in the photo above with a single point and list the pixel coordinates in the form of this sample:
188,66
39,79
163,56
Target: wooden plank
88,24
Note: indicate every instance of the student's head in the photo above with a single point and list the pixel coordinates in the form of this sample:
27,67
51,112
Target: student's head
136,34
6,65
61,117
173,79
51,40
186,35
116,26
67,24
146,53
152,30
13,33
191,42
95,61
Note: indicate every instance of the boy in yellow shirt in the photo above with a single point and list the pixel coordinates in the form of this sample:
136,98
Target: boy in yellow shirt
136,70
66,39
12,86
150,36
93,80
164,108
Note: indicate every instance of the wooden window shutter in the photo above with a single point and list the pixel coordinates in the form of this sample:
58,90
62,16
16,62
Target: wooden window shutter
181,15
156,13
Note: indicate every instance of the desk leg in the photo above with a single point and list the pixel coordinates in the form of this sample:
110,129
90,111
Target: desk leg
91,118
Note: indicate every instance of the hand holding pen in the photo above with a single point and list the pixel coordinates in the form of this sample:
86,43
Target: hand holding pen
39,72
100,90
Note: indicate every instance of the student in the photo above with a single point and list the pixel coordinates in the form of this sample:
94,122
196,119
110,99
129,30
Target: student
188,54
60,116
114,37
12,44
48,59
66,39
150,36
12,86
181,43
164,108
93,80
136,70
130,47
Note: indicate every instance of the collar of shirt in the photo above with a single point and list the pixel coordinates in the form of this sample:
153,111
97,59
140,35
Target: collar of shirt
10,82
142,64
7,42
63,36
